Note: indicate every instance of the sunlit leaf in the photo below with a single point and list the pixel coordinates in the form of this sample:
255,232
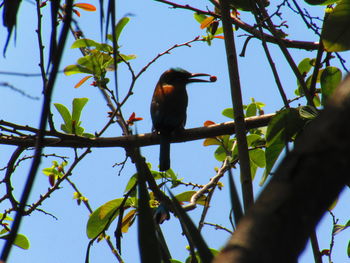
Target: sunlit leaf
186,197
336,31
103,216
78,105
21,241
128,220
85,6
228,113
65,114
7,218
339,228
84,42
251,110
308,112
120,26
132,181
74,69
199,17
207,21
305,66
257,157
211,141
82,81
127,57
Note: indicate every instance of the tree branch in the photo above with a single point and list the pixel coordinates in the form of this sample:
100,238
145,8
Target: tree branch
303,187
146,139
306,45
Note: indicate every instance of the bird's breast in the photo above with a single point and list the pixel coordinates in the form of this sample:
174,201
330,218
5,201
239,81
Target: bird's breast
165,90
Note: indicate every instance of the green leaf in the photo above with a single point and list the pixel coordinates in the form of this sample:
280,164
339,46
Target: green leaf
336,31
284,125
8,218
126,57
75,69
228,113
271,155
78,105
120,26
281,129
321,2
21,241
330,79
211,141
220,154
308,112
103,216
199,17
66,116
251,110
305,66
186,197
257,157
348,250
339,228
49,171
252,139
84,42
132,181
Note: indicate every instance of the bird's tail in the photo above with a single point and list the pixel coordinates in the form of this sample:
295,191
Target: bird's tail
164,154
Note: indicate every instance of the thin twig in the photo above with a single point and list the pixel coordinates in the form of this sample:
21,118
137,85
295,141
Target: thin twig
38,149
213,181
248,28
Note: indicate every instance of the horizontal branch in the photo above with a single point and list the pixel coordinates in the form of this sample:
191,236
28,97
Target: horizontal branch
140,140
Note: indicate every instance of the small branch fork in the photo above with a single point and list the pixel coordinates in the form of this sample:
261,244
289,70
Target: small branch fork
306,45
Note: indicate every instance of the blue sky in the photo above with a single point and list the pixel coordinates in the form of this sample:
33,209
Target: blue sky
154,27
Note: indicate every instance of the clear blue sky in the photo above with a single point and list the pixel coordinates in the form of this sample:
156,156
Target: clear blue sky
153,28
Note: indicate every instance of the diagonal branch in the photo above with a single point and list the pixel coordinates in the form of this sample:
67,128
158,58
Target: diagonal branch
302,189
306,45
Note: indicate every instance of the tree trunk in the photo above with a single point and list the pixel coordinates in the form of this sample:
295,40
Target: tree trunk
304,185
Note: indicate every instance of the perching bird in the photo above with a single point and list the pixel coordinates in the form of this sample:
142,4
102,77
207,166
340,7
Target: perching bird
168,107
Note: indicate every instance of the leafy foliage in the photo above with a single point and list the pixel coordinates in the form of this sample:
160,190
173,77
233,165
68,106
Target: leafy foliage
72,123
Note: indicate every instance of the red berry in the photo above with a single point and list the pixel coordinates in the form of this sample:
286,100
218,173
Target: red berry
213,78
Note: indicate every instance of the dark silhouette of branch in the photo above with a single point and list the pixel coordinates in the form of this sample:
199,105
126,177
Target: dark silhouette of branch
269,57
237,102
43,120
302,189
306,45
11,166
56,139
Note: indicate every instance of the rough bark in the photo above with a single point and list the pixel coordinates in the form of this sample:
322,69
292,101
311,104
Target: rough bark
304,185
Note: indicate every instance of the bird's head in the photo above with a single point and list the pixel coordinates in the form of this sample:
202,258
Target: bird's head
179,75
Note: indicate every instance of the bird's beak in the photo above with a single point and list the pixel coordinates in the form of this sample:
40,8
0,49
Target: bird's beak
193,75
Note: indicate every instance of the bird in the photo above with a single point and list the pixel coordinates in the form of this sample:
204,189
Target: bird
168,107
